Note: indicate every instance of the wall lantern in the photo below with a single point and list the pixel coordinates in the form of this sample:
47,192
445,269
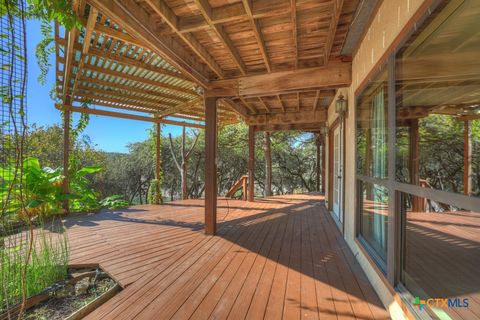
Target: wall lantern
324,131
341,105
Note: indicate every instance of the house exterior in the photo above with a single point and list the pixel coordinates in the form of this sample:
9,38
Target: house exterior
399,225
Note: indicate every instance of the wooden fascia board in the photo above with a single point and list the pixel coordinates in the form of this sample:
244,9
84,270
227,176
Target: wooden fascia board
302,117
127,116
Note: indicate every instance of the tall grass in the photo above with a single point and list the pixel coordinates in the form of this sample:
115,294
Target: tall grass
47,264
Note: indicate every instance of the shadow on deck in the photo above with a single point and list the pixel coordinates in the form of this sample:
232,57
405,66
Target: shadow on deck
281,257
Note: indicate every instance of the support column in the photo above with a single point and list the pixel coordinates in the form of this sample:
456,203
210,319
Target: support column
268,165
418,203
324,154
66,155
318,166
251,163
467,158
210,165
158,164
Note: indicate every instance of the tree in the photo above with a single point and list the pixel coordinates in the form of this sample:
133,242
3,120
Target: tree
184,156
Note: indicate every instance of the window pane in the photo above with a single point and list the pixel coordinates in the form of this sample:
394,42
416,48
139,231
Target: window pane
374,217
438,102
372,129
441,252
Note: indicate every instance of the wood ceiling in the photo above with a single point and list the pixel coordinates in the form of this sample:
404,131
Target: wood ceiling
159,56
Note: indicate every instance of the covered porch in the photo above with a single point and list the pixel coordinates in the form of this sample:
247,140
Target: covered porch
278,257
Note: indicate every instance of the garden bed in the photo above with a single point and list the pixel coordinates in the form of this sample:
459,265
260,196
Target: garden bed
84,290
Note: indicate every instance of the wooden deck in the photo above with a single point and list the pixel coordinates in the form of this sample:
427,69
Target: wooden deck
281,257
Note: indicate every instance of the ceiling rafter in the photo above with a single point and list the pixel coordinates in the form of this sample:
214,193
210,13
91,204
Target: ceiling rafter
248,105
163,10
180,107
317,98
258,34
137,21
231,13
335,17
293,4
139,90
206,11
264,104
147,81
281,103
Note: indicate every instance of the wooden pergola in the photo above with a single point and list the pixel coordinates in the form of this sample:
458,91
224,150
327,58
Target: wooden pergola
275,64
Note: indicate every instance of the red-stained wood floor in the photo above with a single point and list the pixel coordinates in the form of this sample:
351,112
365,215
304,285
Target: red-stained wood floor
281,257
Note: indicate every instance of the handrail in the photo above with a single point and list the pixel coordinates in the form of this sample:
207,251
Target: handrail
241,183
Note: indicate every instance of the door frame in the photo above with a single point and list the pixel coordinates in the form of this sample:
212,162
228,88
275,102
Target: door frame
338,123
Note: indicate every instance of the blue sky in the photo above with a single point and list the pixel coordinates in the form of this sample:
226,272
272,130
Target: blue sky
107,133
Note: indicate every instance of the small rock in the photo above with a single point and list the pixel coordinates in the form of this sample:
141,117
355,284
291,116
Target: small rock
81,287
65,291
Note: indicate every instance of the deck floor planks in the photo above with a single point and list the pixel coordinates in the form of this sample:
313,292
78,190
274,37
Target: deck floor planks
281,257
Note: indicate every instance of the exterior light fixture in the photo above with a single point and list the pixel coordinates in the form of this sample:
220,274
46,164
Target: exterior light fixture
324,131
341,105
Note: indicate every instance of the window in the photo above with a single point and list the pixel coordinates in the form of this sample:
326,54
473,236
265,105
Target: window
441,250
434,193
438,103
374,219
372,168
372,130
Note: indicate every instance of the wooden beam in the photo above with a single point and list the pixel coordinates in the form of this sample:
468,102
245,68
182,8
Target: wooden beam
92,19
140,80
258,34
281,103
315,103
69,60
235,12
179,107
112,85
248,105
66,158
335,75
206,11
127,116
293,18
268,165
241,110
210,166
310,127
135,20
335,18
318,116
264,104
167,14
251,164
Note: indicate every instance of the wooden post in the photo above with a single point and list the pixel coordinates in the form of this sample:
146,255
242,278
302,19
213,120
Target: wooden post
210,165
251,163
324,144
66,153
268,165
418,203
244,189
318,166
467,158
158,164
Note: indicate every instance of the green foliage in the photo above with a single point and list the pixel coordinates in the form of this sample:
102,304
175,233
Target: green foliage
153,196
45,194
47,264
114,202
